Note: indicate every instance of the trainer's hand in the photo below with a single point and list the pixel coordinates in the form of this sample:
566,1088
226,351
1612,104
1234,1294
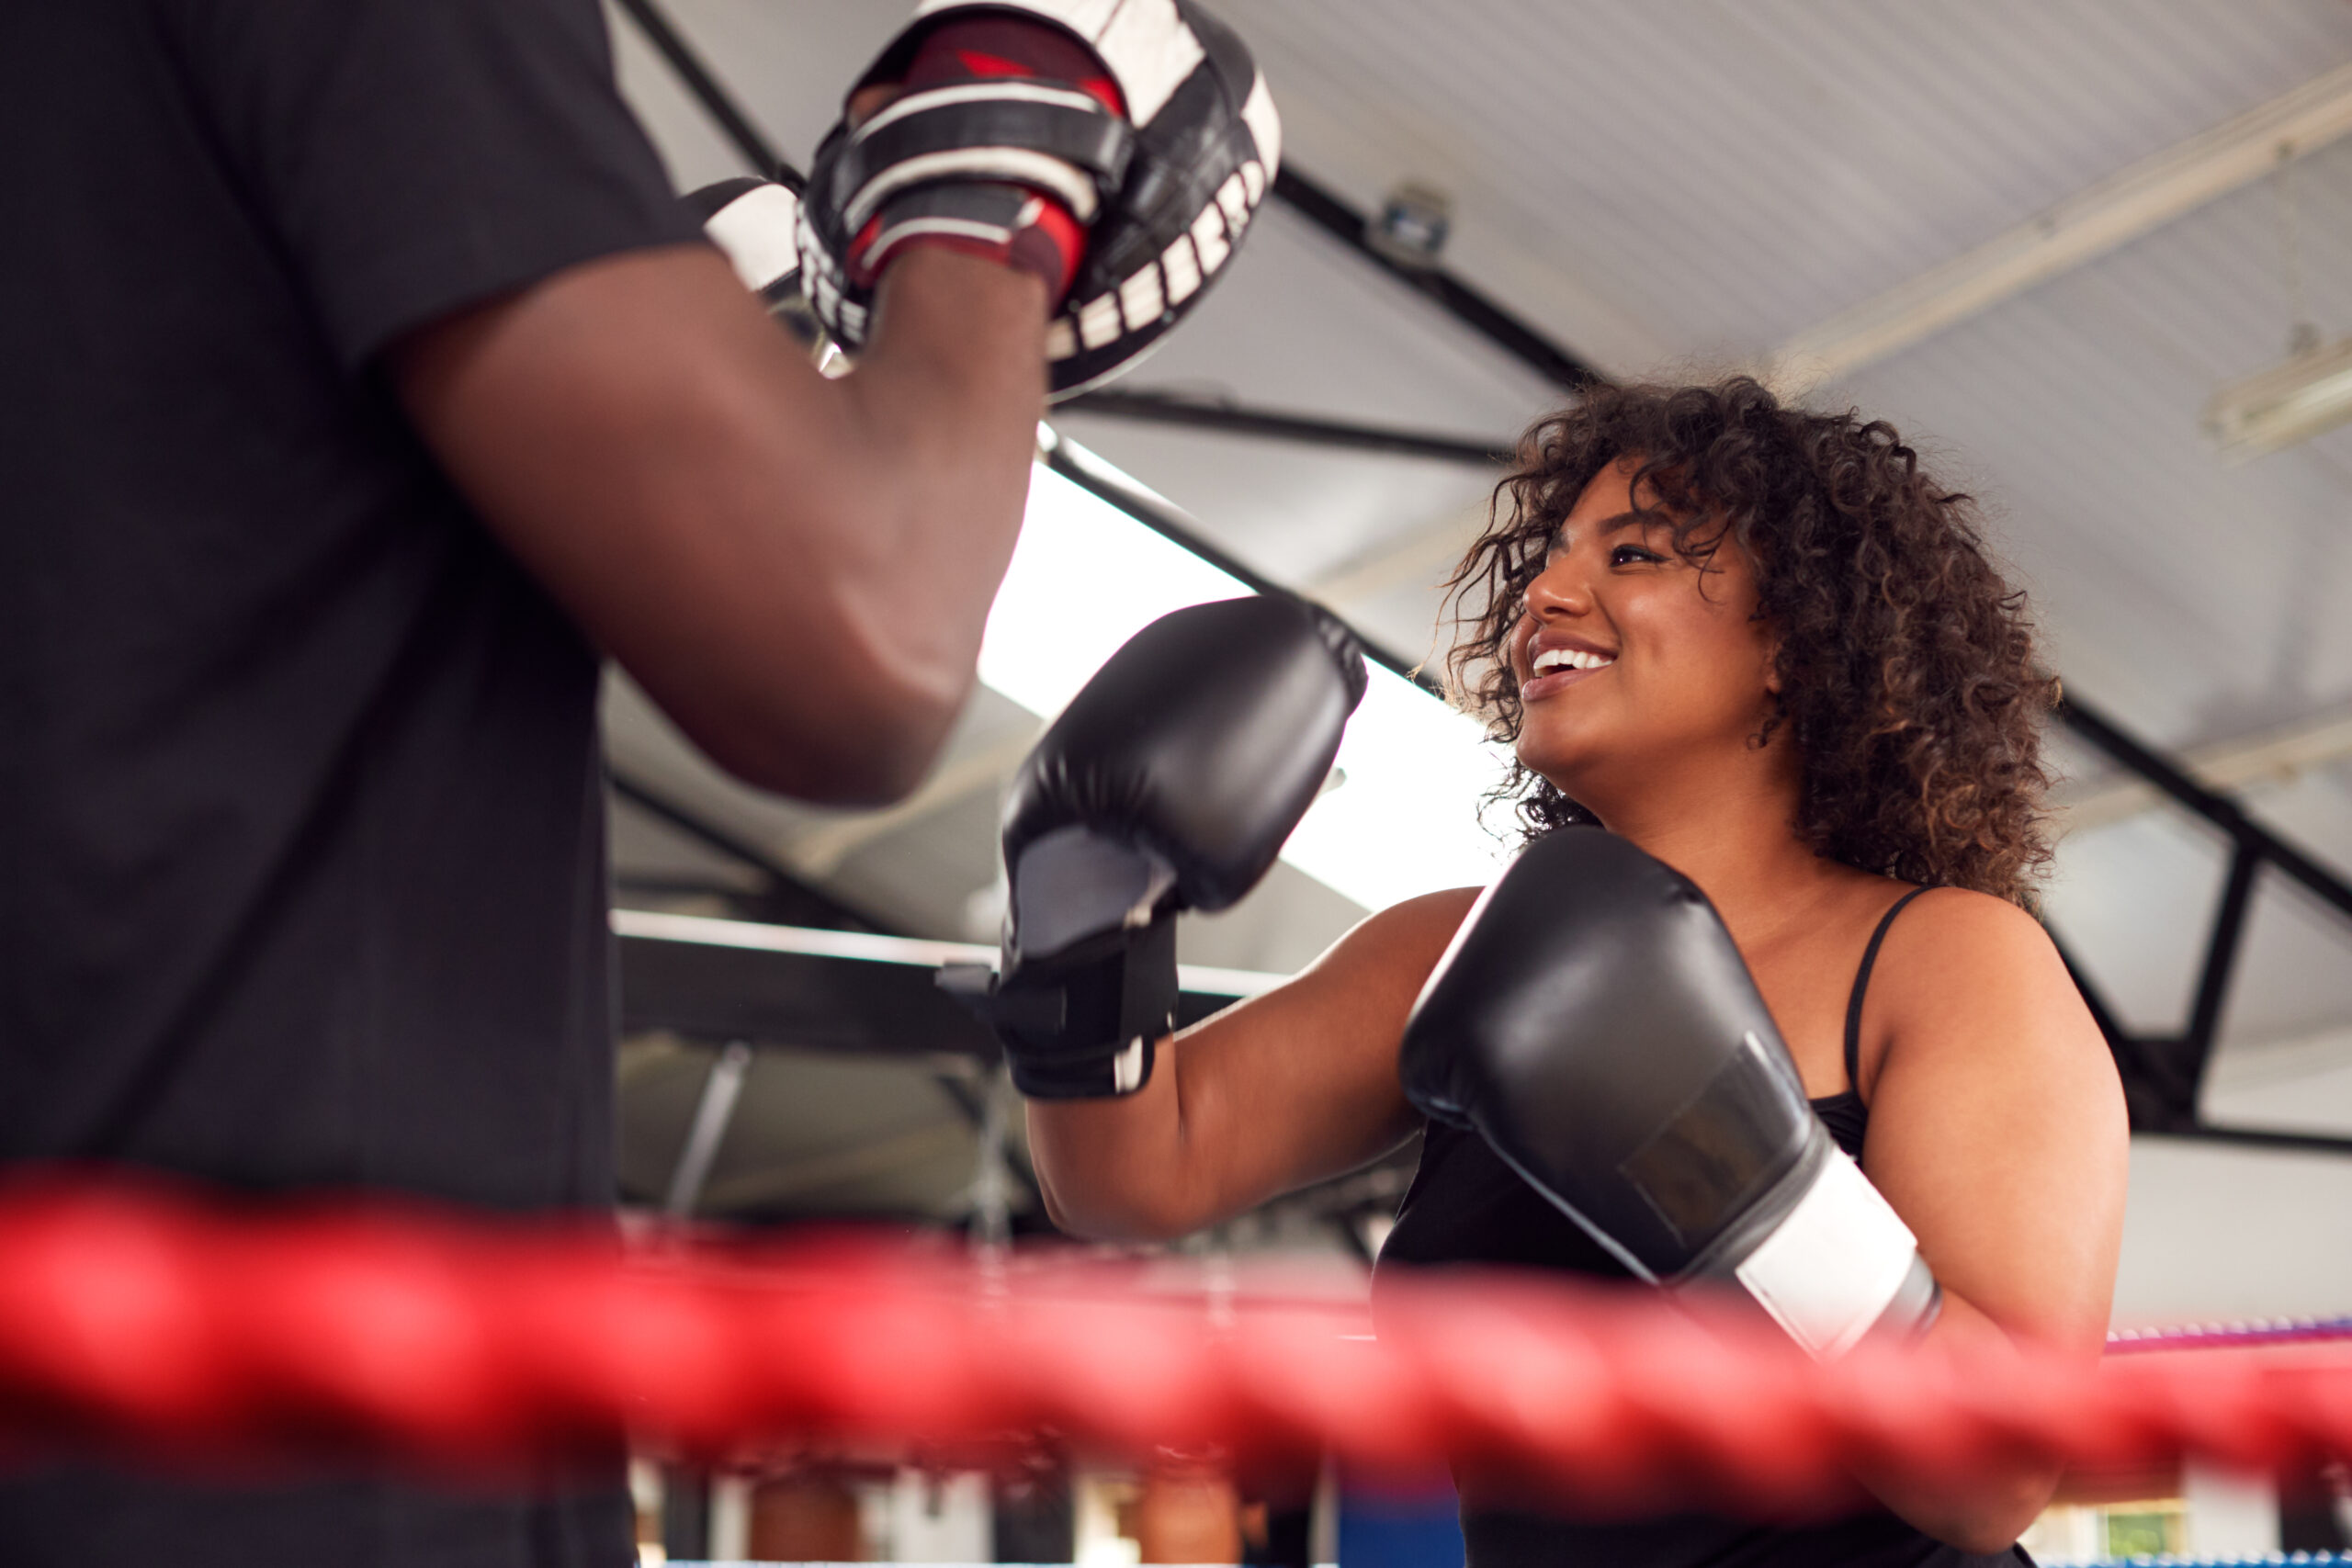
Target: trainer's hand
1119,155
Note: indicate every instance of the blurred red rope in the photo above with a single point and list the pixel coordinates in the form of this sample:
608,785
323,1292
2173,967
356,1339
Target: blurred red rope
131,1318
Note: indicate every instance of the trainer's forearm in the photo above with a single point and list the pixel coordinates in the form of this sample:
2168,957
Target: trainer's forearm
944,407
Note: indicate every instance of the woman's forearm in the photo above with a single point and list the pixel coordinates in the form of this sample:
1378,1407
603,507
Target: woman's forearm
1113,1168
1992,1511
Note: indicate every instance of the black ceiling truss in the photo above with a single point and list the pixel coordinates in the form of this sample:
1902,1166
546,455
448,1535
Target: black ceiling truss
2162,1075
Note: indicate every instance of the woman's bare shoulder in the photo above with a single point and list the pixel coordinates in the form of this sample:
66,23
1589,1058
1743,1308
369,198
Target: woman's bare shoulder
1969,972
1974,920
1391,947
1424,922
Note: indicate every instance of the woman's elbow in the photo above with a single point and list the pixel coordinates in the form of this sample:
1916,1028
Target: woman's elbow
1117,1219
1989,1519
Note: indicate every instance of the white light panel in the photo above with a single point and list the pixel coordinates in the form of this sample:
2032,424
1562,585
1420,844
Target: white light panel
1086,577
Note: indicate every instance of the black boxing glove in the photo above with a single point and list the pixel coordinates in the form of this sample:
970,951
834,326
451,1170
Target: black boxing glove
1118,149
1595,1023
1170,783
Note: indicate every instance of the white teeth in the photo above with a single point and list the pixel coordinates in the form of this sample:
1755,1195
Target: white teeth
1571,659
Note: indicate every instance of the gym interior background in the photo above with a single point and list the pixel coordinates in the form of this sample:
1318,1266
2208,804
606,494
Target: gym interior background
2046,241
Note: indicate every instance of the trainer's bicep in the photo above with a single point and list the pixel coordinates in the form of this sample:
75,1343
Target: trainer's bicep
1997,1128
585,416
1300,1084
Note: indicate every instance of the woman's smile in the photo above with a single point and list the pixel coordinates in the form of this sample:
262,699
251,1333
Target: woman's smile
1554,660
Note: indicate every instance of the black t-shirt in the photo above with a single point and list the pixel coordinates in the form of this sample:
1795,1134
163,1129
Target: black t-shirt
301,878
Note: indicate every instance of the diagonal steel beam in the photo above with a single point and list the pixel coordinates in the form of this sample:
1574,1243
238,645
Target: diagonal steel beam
2096,220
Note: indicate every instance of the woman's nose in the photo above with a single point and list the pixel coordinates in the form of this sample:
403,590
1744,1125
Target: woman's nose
1560,589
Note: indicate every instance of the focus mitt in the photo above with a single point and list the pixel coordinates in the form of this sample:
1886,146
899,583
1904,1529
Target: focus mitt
1119,148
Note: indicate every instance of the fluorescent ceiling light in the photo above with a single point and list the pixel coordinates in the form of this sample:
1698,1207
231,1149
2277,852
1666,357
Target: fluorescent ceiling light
2290,402
1086,577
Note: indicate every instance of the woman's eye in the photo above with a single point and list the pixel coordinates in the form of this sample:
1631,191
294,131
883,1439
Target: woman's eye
1632,554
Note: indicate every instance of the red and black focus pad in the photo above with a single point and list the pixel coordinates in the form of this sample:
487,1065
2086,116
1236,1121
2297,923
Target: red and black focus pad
1115,147
1038,230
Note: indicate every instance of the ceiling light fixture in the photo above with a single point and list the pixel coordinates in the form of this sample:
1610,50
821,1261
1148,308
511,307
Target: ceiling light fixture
2275,408
2312,390
1086,577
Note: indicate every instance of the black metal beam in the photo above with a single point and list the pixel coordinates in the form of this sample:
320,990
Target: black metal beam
1098,478
1229,418
786,900
2172,780
1327,211
2220,960
810,1002
696,77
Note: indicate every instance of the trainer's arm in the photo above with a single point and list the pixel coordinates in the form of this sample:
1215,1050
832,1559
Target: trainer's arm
1997,1131
798,570
1283,1089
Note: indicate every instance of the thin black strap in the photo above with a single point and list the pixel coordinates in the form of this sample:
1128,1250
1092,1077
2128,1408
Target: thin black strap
1862,985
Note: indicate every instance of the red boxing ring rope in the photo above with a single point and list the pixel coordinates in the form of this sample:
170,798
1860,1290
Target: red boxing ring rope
129,1318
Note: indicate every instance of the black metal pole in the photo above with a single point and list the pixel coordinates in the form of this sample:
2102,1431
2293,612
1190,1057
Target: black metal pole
696,78
2221,959
1105,483
2219,809
1236,419
1319,206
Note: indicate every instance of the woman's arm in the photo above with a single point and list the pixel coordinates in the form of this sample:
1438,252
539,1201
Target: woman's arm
1997,1131
1281,1090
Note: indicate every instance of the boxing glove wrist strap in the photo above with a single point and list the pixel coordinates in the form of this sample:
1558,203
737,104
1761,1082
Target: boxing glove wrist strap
1084,1023
1840,1266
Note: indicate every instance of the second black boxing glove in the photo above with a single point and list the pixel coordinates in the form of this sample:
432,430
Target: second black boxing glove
1170,783
1595,1022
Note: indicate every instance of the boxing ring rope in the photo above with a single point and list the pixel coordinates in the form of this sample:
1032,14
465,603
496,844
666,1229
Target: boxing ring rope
2230,1335
133,1318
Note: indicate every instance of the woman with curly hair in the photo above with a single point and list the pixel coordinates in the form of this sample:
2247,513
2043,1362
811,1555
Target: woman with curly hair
1765,647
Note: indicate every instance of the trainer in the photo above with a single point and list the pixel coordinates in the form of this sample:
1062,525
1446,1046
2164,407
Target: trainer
362,384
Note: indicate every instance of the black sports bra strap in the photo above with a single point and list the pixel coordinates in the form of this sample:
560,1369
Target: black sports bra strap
1862,985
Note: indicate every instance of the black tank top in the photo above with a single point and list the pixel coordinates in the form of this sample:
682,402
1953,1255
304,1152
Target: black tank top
1465,1206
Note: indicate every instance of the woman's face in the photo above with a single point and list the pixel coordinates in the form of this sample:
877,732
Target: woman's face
1632,661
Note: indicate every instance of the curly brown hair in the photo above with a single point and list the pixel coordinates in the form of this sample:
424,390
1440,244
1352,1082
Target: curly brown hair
1908,671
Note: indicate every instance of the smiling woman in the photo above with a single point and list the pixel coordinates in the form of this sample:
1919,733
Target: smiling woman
1901,659
1766,693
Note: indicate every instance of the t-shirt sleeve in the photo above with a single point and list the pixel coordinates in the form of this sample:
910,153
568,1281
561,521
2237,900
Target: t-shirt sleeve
416,156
